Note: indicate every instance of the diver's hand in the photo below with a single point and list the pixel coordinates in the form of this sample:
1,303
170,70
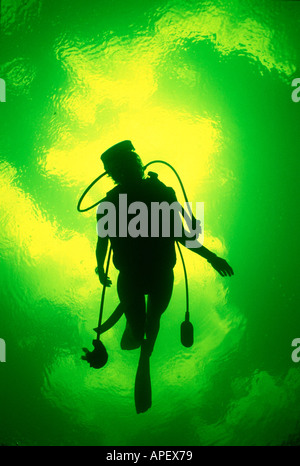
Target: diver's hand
104,280
221,266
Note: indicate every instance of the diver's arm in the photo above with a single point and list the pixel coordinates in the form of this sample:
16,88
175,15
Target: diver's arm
101,251
219,264
201,250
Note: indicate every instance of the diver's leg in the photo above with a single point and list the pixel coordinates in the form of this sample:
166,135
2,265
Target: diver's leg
133,302
142,387
160,292
158,301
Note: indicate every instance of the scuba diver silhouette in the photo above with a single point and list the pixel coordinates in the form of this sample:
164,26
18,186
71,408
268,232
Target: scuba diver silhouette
145,264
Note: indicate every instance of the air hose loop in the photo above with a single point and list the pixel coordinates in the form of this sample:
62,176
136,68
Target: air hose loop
85,193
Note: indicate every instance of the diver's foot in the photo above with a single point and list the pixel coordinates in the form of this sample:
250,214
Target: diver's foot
128,341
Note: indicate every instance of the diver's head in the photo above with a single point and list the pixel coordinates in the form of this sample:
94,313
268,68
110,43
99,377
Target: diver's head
122,164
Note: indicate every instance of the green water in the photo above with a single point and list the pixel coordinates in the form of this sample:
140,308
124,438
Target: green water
207,87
